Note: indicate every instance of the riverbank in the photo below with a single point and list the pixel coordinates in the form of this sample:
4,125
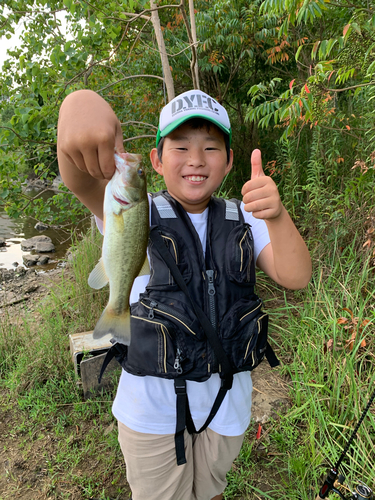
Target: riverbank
26,287
15,232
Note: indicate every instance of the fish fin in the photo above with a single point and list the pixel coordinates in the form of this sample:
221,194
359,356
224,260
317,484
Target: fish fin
117,325
98,277
145,269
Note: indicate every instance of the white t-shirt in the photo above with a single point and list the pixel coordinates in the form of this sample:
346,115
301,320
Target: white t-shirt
148,404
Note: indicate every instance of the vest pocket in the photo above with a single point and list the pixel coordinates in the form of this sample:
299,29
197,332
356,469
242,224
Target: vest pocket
244,333
161,278
239,255
157,347
150,346
173,312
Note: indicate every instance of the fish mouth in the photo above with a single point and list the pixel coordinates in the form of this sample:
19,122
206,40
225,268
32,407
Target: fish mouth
121,202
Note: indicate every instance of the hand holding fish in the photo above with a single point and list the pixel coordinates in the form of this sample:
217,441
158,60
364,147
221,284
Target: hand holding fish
88,133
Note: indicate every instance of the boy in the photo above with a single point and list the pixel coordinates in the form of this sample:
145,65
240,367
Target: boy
193,156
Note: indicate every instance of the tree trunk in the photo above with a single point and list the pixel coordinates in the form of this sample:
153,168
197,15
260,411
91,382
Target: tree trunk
194,36
163,53
194,61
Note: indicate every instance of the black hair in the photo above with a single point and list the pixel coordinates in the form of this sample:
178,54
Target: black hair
198,123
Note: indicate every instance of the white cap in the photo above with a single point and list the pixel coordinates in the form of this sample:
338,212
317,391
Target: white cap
192,104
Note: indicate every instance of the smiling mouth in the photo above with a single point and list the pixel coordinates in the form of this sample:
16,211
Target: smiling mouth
195,178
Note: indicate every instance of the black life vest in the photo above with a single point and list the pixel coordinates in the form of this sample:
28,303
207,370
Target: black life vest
167,338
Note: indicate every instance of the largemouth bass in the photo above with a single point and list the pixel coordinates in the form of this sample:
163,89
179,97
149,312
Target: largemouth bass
124,252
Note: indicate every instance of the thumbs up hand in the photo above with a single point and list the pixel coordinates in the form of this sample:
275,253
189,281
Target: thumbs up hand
260,193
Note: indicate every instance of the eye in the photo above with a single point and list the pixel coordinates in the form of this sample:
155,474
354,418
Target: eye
140,172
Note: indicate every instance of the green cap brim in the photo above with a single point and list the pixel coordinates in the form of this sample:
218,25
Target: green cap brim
172,126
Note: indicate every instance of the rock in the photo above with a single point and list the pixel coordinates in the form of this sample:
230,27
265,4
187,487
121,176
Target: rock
31,287
6,274
30,260
56,182
20,270
44,247
2,242
37,184
30,243
15,264
43,259
39,226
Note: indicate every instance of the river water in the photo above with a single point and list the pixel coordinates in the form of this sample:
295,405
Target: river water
16,230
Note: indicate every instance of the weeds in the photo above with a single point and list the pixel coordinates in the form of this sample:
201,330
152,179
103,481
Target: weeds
330,362
324,335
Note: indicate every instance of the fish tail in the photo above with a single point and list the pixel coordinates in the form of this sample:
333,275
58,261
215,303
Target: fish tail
116,324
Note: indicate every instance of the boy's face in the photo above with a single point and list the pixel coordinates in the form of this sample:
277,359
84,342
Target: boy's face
194,163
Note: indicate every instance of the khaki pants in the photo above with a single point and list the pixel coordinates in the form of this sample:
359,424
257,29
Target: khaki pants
152,471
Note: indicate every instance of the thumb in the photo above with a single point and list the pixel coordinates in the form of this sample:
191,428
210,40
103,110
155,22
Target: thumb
256,164
119,139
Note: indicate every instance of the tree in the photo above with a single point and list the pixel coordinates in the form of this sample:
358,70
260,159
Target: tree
109,48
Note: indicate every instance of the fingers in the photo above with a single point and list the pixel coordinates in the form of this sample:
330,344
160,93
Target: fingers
256,164
261,198
260,193
88,132
256,171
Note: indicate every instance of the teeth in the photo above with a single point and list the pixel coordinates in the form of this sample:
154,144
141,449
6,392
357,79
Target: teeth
195,178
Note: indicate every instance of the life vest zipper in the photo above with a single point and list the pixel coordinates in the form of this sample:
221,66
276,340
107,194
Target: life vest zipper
177,361
212,313
211,297
168,311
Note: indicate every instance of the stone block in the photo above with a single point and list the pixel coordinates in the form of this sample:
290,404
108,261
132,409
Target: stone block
90,370
88,355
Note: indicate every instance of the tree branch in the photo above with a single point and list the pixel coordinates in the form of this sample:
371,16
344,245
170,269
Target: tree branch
232,73
139,137
193,61
135,41
171,55
27,140
351,5
342,130
139,123
350,88
127,78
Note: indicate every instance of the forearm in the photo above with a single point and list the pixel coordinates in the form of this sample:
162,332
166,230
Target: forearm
291,259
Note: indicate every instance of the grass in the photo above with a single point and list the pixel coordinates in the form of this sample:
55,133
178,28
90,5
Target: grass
331,381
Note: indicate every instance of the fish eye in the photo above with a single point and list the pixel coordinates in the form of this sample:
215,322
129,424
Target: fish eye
140,171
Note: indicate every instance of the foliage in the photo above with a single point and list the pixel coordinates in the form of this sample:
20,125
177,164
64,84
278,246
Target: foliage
335,64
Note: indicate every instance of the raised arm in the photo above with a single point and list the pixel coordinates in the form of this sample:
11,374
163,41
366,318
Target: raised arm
87,135
286,259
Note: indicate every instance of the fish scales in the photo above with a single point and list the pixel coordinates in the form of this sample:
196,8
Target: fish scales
124,253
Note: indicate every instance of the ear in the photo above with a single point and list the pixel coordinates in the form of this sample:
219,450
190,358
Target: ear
229,166
156,163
